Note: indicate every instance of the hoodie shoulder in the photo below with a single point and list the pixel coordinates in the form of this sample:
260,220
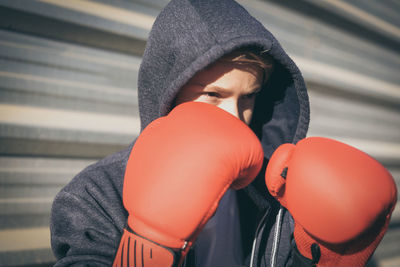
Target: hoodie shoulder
88,216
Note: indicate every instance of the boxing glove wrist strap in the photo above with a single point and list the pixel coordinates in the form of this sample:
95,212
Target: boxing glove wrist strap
135,250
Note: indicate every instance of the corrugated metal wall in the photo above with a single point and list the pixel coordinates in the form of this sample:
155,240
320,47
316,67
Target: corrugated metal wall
68,73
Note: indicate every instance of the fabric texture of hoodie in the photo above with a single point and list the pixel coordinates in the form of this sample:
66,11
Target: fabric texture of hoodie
88,217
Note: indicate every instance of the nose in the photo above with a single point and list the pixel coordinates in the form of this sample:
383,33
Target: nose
231,106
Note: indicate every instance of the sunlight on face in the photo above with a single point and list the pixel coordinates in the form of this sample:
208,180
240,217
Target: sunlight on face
228,85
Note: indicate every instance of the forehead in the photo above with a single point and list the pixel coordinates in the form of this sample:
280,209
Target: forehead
222,70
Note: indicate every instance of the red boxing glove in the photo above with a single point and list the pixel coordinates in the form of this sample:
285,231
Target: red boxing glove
178,170
340,198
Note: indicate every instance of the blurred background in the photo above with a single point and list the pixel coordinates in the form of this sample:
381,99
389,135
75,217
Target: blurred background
68,81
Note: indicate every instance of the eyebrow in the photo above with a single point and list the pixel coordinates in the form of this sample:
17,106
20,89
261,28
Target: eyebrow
224,90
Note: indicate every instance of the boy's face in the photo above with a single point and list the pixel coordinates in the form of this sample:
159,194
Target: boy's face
227,85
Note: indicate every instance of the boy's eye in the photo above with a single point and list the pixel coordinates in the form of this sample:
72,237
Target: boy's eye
211,94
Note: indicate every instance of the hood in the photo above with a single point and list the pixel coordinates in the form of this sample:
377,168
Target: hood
189,35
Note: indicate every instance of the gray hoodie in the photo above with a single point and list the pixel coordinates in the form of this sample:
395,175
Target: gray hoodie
88,217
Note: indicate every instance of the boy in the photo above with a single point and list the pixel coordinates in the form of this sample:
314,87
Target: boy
201,51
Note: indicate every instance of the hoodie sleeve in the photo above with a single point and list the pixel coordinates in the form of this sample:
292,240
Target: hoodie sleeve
88,217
